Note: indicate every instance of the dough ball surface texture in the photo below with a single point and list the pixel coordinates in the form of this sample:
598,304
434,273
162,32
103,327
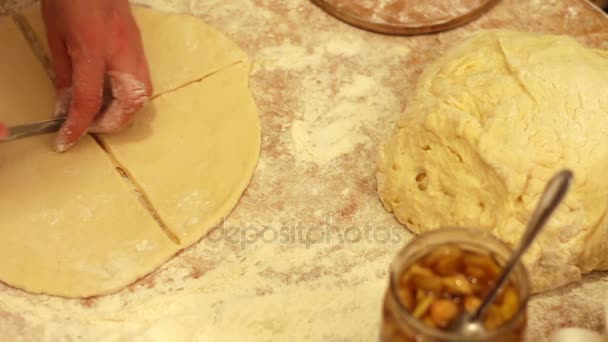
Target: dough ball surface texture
489,124
71,225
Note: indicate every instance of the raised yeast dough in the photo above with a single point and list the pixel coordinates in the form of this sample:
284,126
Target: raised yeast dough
489,124
76,228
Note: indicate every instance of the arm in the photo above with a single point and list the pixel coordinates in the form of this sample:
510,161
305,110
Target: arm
93,42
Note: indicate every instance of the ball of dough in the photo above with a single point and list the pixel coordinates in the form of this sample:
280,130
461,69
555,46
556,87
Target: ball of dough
489,124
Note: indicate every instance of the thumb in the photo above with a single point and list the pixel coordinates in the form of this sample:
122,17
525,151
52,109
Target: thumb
87,86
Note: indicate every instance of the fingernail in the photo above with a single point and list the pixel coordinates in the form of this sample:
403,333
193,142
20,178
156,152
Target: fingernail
62,146
63,143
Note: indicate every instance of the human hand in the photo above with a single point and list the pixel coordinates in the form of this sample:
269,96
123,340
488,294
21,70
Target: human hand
3,131
95,43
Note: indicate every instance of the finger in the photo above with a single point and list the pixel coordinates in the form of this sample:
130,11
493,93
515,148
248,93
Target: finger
3,131
62,66
129,80
87,93
129,95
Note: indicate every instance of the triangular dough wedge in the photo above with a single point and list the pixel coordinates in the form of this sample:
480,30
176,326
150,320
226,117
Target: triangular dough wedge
193,151
69,224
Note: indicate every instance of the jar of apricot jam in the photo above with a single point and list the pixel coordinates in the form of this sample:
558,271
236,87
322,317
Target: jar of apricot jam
444,273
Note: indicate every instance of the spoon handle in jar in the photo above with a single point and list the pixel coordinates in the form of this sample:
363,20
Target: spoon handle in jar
553,194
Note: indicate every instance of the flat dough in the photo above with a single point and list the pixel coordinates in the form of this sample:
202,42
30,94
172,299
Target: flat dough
193,151
73,226
489,124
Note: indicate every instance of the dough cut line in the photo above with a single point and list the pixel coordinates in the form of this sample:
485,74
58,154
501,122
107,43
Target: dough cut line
143,198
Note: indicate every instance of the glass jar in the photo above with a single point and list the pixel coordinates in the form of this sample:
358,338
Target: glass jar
399,325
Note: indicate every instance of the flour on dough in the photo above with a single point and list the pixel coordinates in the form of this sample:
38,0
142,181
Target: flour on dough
489,124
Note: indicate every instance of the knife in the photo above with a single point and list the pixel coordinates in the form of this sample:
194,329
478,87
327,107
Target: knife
37,128
51,126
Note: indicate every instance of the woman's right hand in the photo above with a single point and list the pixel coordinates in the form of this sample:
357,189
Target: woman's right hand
91,42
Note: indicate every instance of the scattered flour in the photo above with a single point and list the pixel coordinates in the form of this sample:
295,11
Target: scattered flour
287,56
332,125
343,47
192,221
50,217
142,245
192,199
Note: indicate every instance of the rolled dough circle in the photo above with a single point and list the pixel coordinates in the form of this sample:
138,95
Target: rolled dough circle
74,226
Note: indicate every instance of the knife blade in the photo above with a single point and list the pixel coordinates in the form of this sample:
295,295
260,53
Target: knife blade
37,128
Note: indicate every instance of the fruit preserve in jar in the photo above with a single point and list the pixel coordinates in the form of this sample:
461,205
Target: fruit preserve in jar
445,273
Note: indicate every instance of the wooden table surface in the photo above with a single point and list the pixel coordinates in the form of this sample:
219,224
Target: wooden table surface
304,256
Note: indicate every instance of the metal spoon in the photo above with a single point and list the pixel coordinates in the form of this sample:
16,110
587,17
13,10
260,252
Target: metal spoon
554,193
